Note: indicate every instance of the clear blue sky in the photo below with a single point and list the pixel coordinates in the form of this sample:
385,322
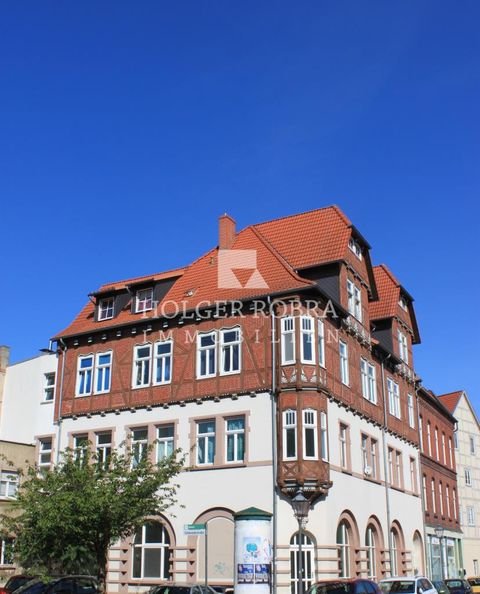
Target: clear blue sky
126,128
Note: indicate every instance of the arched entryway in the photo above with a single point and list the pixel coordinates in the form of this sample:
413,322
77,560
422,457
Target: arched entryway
308,562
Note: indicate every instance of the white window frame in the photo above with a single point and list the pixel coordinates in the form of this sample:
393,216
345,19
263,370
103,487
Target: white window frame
393,390
437,449
403,346
83,372
411,411
369,380
287,332
234,436
45,451
159,361
440,496
80,447
9,481
103,448
141,363
354,302
165,443
444,450
434,499
429,438
163,547
344,370
324,436
420,431
106,308
321,342
343,451
103,370
138,446
468,477
470,515
307,335
355,247
230,347
204,351
447,499
289,425
424,486
402,303
144,300
206,437
309,418
49,386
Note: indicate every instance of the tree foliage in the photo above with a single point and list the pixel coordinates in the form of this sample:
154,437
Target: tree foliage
65,519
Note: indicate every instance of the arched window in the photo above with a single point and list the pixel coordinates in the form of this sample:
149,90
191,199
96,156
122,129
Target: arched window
417,557
370,544
151,551
344,543
308,556
393,552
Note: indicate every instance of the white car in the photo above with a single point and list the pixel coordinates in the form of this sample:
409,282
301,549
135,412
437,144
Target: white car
407,585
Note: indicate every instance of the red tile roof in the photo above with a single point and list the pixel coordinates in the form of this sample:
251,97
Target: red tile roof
388,289
450,400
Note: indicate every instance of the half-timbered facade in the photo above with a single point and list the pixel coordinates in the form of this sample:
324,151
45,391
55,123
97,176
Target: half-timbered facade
280,361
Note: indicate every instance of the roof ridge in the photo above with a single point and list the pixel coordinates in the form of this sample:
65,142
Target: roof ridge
276,254
135,278
333,207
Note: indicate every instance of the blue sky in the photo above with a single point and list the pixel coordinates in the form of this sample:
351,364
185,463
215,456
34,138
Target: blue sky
127,128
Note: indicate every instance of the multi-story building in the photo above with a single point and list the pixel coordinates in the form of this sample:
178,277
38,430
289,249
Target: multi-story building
439,487
467,449
280,361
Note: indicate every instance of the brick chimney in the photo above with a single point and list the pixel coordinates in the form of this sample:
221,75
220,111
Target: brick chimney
226,232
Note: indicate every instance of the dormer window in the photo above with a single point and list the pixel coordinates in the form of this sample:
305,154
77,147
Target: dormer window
403,346
144,300
354,300
403,303
355,247
105,308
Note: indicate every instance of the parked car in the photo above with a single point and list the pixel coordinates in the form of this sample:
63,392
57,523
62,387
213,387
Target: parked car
347,586
68,584
441,587
182,589
458,586
14,582
474,584
408,585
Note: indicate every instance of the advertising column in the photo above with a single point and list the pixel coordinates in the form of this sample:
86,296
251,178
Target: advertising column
253,551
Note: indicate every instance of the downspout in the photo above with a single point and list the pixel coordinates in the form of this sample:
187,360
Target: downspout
385,464
274,448
60,398
420,484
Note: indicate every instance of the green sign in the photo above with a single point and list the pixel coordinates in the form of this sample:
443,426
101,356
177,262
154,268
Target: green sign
194,529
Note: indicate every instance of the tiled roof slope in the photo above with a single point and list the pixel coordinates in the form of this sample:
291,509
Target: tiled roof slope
116,286
310,238
388,289
450,400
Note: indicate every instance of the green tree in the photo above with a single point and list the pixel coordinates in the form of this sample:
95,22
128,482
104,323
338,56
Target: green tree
65,519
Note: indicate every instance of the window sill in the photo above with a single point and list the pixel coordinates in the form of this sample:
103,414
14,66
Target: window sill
347,471
47,402
217,466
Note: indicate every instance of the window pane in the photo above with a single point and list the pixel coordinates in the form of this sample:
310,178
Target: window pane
152,563
153,532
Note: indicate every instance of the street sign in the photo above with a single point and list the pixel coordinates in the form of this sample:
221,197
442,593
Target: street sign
194,529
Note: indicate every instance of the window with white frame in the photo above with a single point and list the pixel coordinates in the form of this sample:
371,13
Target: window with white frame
470,515
343,544
94,374
310,433
403,346
371,553
369,381
399,469
7,546
48,387
437,451
206,442
103,372
411,411
344,446
235,439
447,500
162,366
324,436
307,549
364,448
420,431
468,477
80,448
424,485
454,496
402,302
85,375
103,448
151,552
45,452
455,439
289,435
143,300
105,308
413,475
440,497
206,355
450,452
429,438
165,441
344,371
307,339
355,247
230,350
8,484
444,453
354,300
142,365
139,445
287,328
321,343
434,497
393,398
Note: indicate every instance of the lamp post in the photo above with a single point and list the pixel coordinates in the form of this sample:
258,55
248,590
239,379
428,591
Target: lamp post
301,507
439,533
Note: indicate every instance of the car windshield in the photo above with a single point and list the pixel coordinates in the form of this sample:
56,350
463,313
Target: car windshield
405,586
454,584
331,588
16,581
385,587
32,587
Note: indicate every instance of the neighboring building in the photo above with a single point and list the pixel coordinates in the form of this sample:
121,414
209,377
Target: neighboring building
467,455
27,395
439,487
307,383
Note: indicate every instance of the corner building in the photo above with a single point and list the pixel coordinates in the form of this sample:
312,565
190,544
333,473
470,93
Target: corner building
280,361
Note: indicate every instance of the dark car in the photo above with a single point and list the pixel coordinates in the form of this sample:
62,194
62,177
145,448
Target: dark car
458,586
441,587
14,582
182,589
68,584
350,586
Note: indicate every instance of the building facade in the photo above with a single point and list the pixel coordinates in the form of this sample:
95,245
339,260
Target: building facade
466,450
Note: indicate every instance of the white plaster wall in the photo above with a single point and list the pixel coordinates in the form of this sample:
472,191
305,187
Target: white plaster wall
24,413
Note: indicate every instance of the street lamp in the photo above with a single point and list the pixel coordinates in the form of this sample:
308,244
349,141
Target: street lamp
301,507
439,531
